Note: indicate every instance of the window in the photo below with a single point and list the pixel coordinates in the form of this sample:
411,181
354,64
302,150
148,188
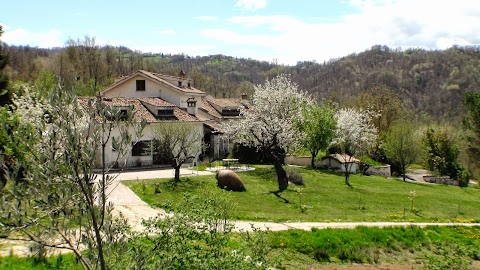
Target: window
188,85
231,112
140,85
165,114
179,83
141,148
123,115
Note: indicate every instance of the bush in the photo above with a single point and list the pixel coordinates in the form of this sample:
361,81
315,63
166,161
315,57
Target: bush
464,177
197,236
295,177
322,255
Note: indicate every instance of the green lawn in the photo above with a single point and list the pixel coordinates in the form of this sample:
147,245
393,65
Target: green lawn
437,247
325,197
54,262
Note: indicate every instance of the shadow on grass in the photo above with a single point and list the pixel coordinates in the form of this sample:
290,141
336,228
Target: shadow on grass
183,185
278,194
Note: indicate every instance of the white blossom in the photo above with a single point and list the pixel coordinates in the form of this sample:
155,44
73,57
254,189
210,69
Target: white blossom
355,131
269,123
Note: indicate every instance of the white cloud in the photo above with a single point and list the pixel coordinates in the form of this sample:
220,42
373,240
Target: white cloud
167,32
19,36
206,18
407,23
251,5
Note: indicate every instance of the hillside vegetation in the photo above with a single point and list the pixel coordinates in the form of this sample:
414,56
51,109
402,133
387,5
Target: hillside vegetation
431,83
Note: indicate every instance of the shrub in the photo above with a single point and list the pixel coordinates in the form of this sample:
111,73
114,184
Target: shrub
295,177
321,255
197,236
464,177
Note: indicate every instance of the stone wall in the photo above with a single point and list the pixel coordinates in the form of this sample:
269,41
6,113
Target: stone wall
298,160
379,170
441,180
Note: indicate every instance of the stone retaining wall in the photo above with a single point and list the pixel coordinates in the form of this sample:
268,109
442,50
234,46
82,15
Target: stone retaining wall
298,160
379,170
440,180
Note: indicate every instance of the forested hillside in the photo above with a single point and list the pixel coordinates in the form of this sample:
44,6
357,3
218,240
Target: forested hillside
431,83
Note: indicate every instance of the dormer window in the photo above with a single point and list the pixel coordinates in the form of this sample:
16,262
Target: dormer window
120,114
123,115
165,113
140,85
231,112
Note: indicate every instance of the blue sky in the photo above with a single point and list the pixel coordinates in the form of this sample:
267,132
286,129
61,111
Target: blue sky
285,31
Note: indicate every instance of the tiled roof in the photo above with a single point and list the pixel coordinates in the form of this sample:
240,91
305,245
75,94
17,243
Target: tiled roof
226,102
342,158
158,77
154,101
141,112
155,77
183,116
214,126
207,107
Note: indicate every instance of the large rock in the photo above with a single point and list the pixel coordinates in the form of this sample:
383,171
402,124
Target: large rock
229,180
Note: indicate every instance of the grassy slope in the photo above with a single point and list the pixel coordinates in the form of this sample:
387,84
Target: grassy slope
326,198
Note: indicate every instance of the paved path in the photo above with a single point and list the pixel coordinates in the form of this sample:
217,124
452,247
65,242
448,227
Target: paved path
126,202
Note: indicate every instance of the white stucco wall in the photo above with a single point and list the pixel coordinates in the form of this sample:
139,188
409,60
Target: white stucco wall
298,160
153,89
131,161
332,163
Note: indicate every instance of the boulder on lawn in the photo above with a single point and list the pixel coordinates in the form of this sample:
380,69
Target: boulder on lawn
229,180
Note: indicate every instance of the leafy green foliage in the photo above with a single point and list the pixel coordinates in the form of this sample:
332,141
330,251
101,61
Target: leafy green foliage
318,127
441,152
196,236
401,145
472,101
59,200
54,262
374,245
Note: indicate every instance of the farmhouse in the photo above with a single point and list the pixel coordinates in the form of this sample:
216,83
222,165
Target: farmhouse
342,162
159,99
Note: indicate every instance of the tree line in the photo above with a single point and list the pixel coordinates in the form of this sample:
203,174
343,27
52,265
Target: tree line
432,83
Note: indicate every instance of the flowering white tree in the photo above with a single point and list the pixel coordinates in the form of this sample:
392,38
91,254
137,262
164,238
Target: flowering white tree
355,135
269,125
61,201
